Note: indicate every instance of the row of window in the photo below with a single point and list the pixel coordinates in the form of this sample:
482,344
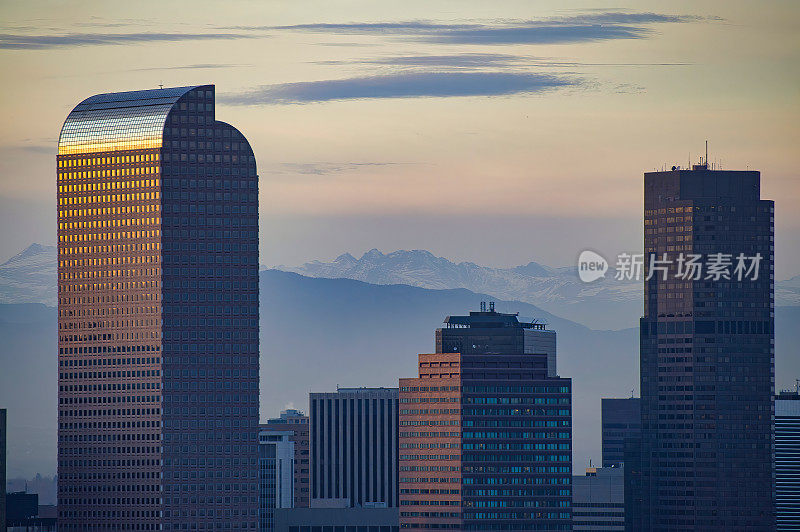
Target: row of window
430,388
516,446
70,162
519,492
515,389
114,172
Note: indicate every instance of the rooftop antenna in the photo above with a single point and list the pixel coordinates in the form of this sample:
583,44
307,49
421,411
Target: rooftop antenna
706,154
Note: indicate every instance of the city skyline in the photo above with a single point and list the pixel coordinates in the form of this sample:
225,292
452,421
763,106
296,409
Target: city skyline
493,95
624,175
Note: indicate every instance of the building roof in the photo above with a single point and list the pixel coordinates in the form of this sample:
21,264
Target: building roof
489,319
131,120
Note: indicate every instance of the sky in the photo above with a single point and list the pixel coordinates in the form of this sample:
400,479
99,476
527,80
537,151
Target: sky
493,132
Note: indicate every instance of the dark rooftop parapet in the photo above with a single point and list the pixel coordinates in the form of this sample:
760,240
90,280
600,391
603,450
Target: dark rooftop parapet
489,319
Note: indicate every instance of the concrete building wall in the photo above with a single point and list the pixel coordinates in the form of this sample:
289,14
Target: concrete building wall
598,500
350,519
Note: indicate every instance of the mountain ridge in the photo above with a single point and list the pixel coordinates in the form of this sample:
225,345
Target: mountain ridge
606,304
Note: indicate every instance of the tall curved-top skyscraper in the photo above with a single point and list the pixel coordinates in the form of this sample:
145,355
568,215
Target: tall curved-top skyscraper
157,315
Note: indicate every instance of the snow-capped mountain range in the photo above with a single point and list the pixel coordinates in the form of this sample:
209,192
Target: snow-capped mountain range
603,304
30,277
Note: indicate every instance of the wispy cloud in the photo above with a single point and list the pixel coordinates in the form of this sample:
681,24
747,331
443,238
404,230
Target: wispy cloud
481,60
37,42
38,145
549,32
596,26
401,85
324,168
469,60
198,66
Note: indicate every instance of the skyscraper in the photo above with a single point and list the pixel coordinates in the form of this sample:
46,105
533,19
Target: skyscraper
707,353
354,447
486,430
157,315
297,423
787,460
621,419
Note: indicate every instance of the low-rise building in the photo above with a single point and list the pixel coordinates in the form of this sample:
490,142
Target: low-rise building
296,422
275,475
598,500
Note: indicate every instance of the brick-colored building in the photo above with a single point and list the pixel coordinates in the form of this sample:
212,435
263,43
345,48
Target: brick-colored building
485,431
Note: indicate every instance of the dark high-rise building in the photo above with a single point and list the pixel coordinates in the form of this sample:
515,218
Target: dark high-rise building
787,460
3,437
354,447
296,422
707,353
634,486
21,507
485,430
157,315
621,419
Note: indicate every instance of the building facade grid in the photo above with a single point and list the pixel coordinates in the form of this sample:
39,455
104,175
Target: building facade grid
158,315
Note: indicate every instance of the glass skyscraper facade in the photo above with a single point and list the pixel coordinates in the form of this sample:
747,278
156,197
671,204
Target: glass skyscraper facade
157,315
707,353
787,460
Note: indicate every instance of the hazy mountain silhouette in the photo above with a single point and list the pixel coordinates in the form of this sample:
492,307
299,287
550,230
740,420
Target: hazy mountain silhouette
604,304
30,277
317,333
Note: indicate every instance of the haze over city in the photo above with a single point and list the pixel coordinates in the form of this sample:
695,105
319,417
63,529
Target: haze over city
260,260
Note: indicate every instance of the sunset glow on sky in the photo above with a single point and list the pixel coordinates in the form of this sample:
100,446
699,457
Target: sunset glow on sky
428,125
